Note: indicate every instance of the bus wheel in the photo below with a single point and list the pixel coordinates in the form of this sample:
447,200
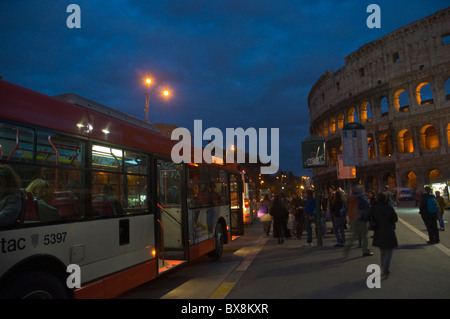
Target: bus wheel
37,285
218,250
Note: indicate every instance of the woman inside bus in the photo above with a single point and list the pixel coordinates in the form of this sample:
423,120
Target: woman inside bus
40,189
10,197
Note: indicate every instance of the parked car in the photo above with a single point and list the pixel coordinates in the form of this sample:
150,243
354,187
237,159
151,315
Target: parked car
405,193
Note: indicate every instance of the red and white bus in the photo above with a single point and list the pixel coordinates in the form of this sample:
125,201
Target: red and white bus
116,205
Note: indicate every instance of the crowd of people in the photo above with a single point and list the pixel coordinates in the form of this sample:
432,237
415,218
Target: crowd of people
357,212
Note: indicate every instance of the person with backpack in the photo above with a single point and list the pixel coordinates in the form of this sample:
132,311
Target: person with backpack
428,210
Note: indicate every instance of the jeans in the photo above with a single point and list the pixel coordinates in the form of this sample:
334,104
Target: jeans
308,224
441,220
386,256
338,227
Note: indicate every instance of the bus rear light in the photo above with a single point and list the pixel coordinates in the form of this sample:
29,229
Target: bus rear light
153,252
246,203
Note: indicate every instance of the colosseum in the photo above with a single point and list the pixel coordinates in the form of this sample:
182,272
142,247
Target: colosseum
398,88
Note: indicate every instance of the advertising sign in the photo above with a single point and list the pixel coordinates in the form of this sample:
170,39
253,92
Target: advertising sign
354,144
314,152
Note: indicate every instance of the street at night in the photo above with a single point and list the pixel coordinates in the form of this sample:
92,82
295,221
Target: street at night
257,267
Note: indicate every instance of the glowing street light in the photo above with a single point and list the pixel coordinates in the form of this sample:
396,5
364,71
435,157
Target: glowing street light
148,81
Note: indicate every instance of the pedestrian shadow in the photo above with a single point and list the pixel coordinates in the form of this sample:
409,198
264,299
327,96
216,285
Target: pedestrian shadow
412,246
344,290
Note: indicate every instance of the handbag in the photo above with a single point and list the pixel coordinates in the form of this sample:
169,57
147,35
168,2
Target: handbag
266,218
262,211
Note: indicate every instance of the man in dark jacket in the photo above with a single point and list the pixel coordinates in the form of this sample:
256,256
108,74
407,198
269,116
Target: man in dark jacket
384,217
429,219
310,213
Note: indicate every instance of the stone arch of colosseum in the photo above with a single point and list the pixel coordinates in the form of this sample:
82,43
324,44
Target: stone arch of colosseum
398,87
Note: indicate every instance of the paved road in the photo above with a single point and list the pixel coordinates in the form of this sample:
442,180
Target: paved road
257,267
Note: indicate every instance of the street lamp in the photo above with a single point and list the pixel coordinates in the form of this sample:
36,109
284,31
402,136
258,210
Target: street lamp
148,81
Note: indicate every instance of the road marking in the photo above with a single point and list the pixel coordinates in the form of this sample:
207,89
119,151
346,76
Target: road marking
225,287
441,247
222,291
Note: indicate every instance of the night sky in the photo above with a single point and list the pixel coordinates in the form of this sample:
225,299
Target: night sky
230,63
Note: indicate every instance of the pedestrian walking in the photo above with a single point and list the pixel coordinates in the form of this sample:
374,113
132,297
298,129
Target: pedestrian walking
310,215
417,197
390,197
324,212
337,211
371,197
384,217
299,216
428,210
357,210
263,214
441,202
280,215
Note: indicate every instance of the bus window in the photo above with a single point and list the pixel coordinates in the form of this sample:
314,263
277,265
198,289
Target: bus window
56,149
106,158
110,196
135,163
65,192
220,187
136,194
44,187
106,194
169,187
199,186
16,143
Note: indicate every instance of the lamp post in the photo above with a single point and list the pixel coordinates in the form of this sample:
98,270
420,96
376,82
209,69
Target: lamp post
148,81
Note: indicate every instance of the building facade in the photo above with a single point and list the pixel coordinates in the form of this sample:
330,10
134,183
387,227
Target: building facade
398,87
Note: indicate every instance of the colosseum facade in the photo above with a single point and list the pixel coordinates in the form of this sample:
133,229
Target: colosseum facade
398,87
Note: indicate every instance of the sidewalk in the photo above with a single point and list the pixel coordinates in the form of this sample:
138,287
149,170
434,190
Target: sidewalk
291,271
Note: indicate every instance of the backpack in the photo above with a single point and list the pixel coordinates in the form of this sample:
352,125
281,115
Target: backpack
432,205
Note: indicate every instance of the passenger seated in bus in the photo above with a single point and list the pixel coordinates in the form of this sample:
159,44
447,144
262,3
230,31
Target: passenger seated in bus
108,195
10,197
40,189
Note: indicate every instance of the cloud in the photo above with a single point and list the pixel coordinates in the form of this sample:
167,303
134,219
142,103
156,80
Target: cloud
230,63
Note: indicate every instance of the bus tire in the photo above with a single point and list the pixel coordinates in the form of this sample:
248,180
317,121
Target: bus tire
35,285
218,250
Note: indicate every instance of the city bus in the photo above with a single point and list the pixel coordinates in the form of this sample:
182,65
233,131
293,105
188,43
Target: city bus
103,208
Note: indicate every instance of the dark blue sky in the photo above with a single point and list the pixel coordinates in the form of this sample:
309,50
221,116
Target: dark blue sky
229,63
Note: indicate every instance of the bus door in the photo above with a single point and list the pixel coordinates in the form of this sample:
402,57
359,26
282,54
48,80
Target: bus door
237,216
170,219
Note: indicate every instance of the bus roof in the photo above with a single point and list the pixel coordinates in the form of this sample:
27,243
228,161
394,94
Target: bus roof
74,114
94,120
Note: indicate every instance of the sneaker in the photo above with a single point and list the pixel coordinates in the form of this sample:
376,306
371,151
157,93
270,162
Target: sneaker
368,254
308,245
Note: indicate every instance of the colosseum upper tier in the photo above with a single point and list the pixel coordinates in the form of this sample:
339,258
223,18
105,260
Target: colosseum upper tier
398,87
